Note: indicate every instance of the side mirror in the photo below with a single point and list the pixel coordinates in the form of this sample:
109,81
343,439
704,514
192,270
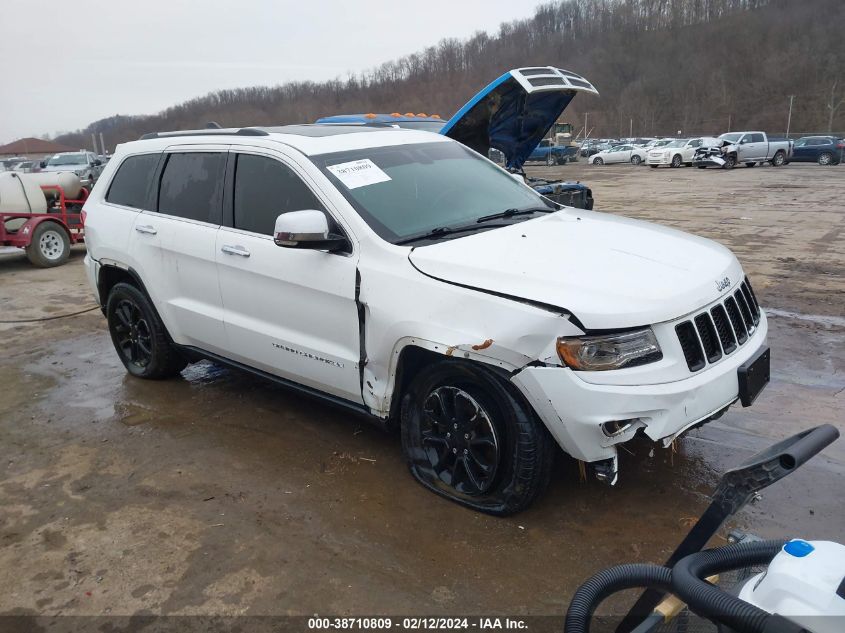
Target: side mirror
743,141
306,229
97,162
43,164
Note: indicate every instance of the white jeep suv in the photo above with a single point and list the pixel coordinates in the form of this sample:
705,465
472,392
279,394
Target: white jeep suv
403,276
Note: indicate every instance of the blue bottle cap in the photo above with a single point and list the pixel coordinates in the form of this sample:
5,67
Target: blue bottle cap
798,548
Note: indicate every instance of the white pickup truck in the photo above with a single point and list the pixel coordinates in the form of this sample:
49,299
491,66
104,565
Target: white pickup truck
753,148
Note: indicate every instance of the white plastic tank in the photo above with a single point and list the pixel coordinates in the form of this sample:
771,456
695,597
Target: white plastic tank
67,180
805,583
19,194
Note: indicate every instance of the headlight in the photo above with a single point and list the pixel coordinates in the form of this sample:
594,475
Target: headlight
609,351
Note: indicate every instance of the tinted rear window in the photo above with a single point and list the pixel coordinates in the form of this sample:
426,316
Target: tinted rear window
131,184
264,189
192,186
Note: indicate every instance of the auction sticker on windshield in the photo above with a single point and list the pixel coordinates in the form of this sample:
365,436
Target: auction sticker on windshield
358,173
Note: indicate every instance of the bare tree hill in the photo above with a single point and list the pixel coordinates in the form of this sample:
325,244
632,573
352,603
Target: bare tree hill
700,66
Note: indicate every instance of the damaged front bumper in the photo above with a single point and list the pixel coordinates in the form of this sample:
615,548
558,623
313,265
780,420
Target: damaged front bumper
589,420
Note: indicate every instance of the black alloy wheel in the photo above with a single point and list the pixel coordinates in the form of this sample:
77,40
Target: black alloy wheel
460,440
468,435
139,335
132,334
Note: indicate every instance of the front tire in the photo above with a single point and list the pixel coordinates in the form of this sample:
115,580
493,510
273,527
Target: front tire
598,161
139,336
676,160
467,435
49,246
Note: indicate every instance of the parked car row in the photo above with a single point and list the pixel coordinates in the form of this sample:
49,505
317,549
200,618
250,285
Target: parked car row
726,151
84,164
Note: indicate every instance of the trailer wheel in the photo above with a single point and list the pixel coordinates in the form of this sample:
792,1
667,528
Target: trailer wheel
50,245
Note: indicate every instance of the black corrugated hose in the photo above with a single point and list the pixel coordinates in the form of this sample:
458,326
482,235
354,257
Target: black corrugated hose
607,582
685,581
711,602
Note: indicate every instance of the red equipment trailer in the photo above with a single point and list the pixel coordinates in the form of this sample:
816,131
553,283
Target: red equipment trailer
47,237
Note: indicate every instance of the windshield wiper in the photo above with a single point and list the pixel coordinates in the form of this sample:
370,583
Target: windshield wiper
443,231
509,213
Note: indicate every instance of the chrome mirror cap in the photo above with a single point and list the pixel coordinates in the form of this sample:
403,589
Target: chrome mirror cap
297,227
307,229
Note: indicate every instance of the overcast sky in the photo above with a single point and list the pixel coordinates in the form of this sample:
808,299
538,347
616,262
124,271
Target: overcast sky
66,63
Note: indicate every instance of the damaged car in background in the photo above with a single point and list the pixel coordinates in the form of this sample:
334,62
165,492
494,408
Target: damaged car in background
512,115
487,324
750,148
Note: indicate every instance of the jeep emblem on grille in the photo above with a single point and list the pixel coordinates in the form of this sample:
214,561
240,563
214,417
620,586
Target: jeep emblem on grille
721,284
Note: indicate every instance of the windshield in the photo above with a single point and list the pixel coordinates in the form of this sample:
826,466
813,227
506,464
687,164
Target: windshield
407,190
68,159
678,143
733,137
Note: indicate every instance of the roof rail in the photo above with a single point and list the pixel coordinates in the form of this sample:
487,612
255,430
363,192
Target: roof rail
244,131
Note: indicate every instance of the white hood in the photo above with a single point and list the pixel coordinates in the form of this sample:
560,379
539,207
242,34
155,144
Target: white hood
608,271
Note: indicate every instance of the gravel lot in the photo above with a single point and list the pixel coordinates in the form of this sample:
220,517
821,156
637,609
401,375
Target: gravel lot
223,494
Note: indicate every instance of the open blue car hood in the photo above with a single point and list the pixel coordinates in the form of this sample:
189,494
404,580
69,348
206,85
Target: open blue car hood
514,112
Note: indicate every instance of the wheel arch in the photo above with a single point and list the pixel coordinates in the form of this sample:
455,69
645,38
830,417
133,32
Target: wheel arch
410,358
110,275
28,227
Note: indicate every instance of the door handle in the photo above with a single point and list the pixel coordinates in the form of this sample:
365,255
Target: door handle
146,228
235,250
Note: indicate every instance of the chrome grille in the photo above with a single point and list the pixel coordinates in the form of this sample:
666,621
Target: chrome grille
720,331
